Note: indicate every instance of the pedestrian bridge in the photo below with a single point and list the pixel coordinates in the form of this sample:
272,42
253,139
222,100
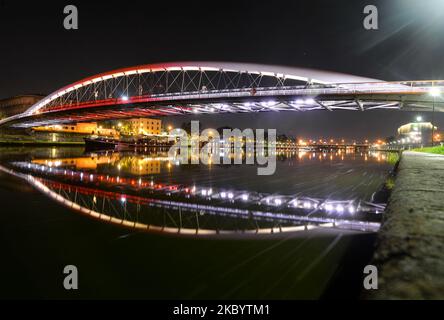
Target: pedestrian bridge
213,87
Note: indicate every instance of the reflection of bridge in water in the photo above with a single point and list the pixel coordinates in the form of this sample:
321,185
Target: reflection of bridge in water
211,88
198,211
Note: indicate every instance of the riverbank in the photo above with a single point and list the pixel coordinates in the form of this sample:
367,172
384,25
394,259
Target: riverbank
40,139
41,143
435,150
410,249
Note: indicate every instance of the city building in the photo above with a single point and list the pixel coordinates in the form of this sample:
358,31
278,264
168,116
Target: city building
18,104
146,126
417,132
90,128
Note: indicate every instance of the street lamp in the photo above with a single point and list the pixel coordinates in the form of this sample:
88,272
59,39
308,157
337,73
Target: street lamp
434,92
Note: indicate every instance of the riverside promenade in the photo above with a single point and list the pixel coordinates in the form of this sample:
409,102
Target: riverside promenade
410,245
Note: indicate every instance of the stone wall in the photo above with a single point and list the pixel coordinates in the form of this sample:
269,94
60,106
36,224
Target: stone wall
410,245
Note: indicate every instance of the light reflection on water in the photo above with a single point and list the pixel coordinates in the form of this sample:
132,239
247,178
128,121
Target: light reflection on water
155,192
336,174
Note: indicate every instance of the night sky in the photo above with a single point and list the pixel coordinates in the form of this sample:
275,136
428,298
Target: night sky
37,55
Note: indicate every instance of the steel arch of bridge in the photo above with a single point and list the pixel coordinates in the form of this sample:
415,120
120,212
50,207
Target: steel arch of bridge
197,87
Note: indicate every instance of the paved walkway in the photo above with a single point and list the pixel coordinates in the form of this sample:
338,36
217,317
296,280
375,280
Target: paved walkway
410,252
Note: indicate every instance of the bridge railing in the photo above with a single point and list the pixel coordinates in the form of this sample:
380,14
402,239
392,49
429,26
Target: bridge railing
339,89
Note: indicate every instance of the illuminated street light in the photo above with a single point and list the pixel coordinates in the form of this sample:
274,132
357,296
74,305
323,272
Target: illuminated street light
124,98
418,119
339,208
434,92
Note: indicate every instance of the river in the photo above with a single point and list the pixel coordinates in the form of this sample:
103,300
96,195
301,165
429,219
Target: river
136,232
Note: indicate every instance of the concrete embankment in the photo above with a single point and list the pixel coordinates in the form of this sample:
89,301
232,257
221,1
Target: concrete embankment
410,245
